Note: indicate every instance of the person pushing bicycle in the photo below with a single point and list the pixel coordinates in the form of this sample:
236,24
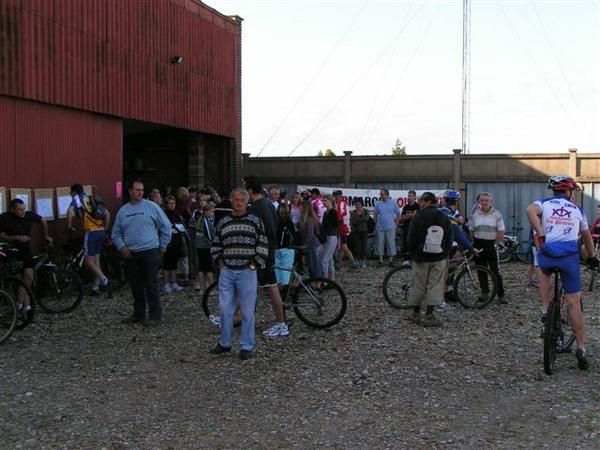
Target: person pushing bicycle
557,223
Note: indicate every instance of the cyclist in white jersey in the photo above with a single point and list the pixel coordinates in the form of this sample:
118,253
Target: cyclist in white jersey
558,223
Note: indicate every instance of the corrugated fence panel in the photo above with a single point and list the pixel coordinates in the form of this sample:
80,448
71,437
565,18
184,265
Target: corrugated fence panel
403,186
591,199
42,8
8,147
10,48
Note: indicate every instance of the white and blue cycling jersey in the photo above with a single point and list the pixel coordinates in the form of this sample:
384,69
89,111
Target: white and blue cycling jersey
562,222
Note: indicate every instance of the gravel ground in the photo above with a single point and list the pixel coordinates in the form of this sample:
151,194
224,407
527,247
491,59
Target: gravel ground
374,381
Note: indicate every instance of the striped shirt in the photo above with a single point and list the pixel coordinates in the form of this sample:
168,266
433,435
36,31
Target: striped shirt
240,241
486,225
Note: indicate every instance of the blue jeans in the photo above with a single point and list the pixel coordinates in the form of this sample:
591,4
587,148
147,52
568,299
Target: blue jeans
142,271
240,285
385,240
314,261
327,264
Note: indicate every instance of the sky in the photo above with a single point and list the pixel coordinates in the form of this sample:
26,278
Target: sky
359,74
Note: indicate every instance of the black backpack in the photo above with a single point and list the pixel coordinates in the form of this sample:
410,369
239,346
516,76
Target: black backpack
98,207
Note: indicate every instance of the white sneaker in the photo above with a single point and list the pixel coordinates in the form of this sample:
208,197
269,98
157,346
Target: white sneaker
215,320
197,287
279,329
167,289
175,287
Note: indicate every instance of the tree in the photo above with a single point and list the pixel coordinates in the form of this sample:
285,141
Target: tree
398,149
329,153
320,153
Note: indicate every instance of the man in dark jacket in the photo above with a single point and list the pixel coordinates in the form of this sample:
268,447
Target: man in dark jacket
430,238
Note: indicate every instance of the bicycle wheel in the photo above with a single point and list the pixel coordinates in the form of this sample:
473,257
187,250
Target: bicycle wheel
320,303
22,295
470,286
523,252
396,287
8,315
551,332
212,308
59,290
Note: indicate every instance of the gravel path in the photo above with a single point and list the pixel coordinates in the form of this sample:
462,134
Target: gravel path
373,381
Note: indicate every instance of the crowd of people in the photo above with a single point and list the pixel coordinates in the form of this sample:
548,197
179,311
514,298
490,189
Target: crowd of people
243,237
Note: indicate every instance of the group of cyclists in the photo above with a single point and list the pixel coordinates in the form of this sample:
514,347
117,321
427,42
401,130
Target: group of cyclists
561,234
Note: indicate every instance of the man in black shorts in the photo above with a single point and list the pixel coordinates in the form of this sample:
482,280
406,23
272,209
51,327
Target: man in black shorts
15,228
263,209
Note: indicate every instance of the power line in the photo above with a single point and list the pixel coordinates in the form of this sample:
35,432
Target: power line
406,68
353,85
315,76
533,60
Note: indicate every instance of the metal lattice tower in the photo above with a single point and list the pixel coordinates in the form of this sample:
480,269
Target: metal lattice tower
466,86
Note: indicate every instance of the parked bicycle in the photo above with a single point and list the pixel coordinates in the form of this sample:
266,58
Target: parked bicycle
56,290
12,284
8,315
557,332
511,248
473,286
318,302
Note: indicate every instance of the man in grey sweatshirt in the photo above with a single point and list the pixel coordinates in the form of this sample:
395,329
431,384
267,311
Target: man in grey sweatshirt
141,233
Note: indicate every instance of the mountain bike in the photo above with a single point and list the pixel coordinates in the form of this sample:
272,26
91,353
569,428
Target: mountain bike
318,302
511,248
56,290
8,315
12,284
473,286
557,333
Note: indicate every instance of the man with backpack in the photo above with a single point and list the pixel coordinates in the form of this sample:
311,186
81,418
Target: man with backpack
95,220
430,239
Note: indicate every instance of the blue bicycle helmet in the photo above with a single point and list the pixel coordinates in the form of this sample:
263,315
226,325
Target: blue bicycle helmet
451,195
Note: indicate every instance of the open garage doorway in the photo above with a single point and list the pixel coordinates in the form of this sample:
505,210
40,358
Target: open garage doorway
166,158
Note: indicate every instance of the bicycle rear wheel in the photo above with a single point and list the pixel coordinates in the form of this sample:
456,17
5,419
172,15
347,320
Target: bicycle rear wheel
475,286
320,303
551,333
212,308
60,290
396,287
8,315
503,253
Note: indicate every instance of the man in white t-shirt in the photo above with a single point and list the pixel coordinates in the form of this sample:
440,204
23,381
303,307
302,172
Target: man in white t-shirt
558,223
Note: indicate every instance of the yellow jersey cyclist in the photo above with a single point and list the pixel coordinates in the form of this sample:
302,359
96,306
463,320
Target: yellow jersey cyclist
95,221
558,223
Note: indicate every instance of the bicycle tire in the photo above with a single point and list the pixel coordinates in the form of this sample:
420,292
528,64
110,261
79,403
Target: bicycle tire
211,307
8,315
312,304
396,287
467,289
61,291
14,286
551,331
523,251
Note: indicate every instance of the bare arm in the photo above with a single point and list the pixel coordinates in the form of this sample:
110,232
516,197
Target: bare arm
70,215
533,214
107,220
588,242
6,238
44,225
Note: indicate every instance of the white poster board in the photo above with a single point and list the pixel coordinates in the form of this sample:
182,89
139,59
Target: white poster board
22,194
44,203
63,201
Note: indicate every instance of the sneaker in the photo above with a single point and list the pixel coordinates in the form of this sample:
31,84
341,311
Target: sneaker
167,289
444,306
582,361
176,288
246,354
277,330
431,321
152,323
107,287
355,264
197,287
502,300
363,265
95,292
215,320
219,350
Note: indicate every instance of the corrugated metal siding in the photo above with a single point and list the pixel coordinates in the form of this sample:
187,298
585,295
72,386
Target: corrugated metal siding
511,199
42,146
113,57
404,186
591,199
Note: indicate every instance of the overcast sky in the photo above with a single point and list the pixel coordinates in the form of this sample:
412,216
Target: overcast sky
357,75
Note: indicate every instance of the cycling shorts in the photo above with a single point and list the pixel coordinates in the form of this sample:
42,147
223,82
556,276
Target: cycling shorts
93,242
266,276
26,257
568,267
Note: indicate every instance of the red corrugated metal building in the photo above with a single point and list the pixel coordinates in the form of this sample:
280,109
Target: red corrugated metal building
98,91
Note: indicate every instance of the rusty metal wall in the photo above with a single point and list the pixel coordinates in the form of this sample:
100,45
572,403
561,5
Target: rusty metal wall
114,57
43,146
